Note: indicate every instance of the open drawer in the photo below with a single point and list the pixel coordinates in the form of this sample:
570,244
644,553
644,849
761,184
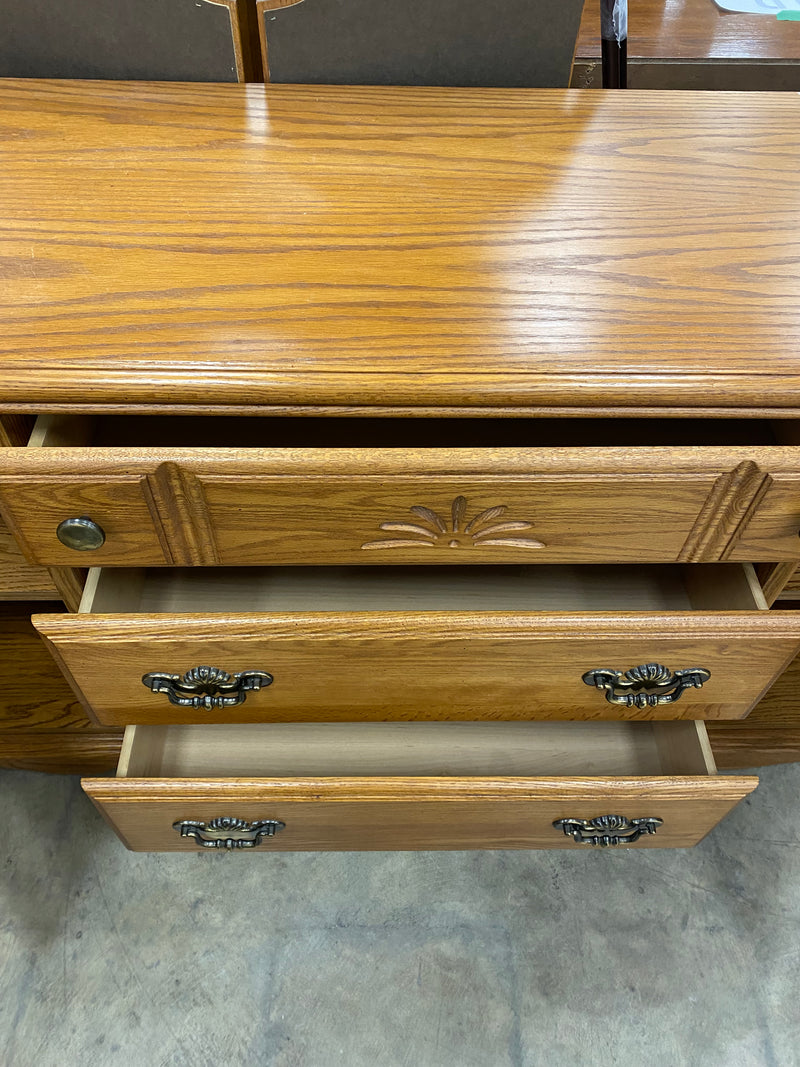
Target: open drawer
396,643
415,786
273,492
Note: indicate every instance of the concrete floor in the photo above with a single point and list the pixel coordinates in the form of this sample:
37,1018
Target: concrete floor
483,959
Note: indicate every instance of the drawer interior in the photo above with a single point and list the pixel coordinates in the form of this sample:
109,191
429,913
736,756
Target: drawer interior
197,431
471,749
696,587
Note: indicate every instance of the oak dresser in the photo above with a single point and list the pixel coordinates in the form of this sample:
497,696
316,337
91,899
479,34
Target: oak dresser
417,465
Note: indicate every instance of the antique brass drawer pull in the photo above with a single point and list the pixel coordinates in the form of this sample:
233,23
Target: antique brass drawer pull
82,534
207,687
628,688
607,830
216,834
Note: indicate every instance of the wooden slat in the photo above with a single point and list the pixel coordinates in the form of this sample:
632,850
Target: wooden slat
245,38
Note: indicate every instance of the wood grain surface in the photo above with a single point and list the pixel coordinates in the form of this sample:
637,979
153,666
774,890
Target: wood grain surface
34,694
414,813
42,725
15,429
693,30
770,733
233,506
788,587
415,665
245,38
20,580
61,751
417,248
775,580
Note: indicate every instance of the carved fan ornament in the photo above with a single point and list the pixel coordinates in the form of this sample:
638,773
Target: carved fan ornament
456,532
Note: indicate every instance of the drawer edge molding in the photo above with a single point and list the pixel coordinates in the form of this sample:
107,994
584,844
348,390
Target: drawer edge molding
420,625
353,790
730,464
147,385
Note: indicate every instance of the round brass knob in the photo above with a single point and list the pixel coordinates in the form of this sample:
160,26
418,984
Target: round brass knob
82,534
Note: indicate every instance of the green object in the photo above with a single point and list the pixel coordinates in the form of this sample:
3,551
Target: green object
788,16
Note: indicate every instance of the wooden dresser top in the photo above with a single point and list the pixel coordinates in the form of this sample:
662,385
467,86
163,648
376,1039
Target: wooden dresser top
232,247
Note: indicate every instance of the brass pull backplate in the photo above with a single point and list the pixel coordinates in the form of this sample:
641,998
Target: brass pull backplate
207,687
228,832
607,830
647,685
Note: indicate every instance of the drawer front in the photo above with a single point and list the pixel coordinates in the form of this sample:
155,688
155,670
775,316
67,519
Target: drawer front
335,666
120,505
359,814
430,518
366,506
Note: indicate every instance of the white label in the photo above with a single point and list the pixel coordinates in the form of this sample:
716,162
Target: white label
759,7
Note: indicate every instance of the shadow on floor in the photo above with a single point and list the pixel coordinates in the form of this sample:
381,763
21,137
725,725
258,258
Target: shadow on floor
470,959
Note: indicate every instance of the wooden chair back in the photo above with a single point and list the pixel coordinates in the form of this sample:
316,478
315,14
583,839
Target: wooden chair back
506,43
154,40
